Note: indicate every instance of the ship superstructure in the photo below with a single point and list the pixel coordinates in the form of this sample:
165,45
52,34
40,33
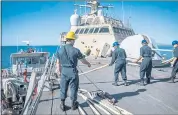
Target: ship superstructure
96,31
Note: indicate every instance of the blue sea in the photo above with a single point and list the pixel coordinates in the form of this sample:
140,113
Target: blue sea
7,50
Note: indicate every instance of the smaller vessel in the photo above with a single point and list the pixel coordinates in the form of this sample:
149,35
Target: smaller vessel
29,60
15,80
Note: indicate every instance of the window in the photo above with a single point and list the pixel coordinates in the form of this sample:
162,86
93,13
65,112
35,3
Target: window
104,30
43,60
81,31
96,30
86,31
35,60
91,30
119,31
114,30
127,33
77,31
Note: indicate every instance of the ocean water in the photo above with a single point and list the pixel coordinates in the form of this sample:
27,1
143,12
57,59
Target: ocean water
7,50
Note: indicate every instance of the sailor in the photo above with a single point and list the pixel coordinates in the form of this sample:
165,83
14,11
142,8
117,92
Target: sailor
174,60
68,57
146,65
119,58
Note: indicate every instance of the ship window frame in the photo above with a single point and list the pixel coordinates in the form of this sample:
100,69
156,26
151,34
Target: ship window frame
130,32
127,33
114,28
91,30
81,30
85,31
97,30
77,31
119,31
106,27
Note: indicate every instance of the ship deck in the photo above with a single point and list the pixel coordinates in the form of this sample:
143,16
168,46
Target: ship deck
159,97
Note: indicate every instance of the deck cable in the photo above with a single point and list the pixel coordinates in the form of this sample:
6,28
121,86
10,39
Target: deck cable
91,82
89,79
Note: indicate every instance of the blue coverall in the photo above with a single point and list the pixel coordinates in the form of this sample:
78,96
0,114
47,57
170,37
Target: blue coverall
119,58
68,59
146,65
175,67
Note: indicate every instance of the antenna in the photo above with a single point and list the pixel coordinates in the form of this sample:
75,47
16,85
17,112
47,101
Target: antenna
123,11
85,6
17,44
27,42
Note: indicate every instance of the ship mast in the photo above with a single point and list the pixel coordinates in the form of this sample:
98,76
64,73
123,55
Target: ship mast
94,6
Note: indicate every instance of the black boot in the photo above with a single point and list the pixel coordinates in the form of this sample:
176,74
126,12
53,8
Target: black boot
125,83
62,105
115,84
74,105
148,81
142,82
172,80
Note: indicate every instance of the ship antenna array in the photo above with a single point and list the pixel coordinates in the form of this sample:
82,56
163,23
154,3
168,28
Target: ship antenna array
93,5
123,11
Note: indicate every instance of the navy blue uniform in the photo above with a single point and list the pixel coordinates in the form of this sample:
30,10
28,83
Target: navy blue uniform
146,65
69,72
175,67
119,58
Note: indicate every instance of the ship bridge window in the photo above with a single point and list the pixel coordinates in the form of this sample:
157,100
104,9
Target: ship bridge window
119,31
42,60
86,31
96,30
115,30
104,30
127,32
77,31
91,30
81,31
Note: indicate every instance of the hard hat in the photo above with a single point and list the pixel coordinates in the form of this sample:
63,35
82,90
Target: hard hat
70,35
174,42
115,44
144,41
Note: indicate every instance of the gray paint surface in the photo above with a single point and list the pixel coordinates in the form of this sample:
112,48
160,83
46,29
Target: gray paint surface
159,97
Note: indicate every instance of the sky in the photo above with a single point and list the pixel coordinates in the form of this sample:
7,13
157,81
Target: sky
42,22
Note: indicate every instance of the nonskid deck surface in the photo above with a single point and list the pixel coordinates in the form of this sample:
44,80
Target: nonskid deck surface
159,97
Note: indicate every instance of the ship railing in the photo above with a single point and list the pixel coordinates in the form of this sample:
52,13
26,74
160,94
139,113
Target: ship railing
40,69
5,73
32,102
